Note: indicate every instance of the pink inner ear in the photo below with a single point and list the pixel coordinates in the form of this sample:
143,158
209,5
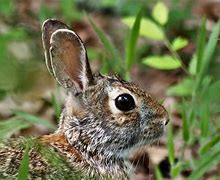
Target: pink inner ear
72,60
69,57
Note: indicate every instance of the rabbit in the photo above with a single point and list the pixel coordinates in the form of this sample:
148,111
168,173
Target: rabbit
103,120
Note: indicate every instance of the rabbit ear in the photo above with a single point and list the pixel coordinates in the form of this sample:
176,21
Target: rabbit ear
68,58
48,28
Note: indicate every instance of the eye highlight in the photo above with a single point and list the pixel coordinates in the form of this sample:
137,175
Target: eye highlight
125,102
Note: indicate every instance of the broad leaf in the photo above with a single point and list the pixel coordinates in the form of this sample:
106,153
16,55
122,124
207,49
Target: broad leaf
160,13
185,88
179,43
193,65
148,28
162,62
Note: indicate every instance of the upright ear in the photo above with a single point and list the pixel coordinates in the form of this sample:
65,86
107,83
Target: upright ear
48,28
66,56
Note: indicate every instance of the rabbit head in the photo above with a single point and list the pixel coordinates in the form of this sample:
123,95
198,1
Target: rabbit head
103,114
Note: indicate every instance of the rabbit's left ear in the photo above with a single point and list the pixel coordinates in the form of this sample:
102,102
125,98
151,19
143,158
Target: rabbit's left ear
67,56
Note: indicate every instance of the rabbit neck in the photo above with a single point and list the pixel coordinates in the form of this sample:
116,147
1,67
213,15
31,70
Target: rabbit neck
92,164
88,137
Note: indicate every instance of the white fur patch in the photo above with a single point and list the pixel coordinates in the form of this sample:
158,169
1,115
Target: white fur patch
72,104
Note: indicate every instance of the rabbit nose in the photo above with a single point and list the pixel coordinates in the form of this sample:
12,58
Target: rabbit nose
167,121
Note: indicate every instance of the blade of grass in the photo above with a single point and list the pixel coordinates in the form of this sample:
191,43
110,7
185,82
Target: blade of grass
35,120
205,148
56,106
176,169
170,143
56,103
116,61
208,53
158,174
11,126
186,128
205,165
201,44
24,168
130,49
204,121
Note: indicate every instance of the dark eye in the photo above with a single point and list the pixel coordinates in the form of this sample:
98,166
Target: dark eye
125,102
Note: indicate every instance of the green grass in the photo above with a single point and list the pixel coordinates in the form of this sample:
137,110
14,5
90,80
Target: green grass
198,92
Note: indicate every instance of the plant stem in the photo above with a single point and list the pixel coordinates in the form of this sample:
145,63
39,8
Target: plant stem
176,56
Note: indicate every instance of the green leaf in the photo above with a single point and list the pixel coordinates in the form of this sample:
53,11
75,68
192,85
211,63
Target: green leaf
204,119
193,65
179,43
162,62
170,144
35,120
130,49
206,147
208,53
176,169
148,28
201,44
160,13
186,127
183,89
24,166
158,174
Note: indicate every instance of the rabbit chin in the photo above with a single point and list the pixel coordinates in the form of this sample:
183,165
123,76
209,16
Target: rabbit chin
146,140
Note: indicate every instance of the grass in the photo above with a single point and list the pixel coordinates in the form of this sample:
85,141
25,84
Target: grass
198,92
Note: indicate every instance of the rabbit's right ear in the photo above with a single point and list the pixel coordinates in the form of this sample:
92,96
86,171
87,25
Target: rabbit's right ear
66,56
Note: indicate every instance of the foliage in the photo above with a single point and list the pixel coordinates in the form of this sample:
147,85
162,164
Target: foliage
155,31
117,62
198,92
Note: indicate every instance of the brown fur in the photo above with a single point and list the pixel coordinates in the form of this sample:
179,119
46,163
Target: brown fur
94,136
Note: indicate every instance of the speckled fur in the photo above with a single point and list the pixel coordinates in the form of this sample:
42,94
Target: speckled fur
93,135
101,137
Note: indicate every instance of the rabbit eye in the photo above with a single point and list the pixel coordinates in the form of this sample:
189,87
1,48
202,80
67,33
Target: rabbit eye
125,102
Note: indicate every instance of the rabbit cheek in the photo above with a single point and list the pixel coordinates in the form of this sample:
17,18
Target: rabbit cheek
127,118
153,130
